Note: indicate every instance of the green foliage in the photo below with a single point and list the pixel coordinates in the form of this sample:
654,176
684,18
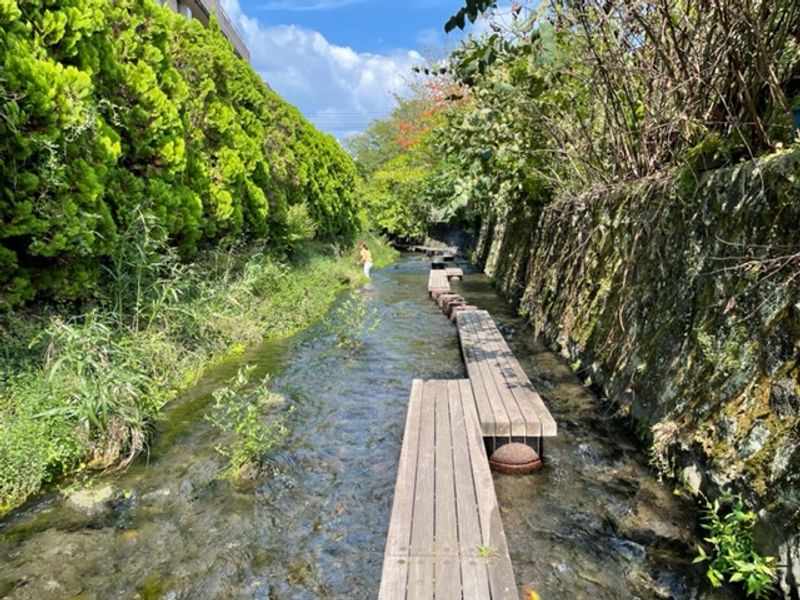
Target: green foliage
564,97
395,198
470,10
733,556
351,321
103,384
487,553
144,275
114,112
374,147
710,153
34,446
241,410
84,391
300,227
406,184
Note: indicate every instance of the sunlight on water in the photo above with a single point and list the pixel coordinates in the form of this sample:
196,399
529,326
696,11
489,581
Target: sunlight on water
593,524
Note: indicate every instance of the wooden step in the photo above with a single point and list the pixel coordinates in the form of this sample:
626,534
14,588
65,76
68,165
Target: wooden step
507,404
446,538
438,282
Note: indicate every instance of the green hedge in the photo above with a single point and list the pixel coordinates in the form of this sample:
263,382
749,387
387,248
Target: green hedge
113,107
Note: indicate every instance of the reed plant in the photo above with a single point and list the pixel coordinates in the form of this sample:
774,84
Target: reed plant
247,414
82,385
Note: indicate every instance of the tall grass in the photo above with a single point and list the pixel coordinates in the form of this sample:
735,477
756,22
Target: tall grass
81,388
239,411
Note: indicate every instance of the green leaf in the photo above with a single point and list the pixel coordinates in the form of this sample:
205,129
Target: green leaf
456,21
701,555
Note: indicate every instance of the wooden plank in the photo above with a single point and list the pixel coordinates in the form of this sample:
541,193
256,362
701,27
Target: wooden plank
462,308
469,528
500,572
480,390
437,281
474,577
446,536
454,505
422,520
548,423
420,578
521,405
528,398
530,402
394,578
503,399
448,578
524,420
481,372
483,390
399,536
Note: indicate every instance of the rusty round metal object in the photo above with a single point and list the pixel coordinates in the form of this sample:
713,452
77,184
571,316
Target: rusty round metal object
515,458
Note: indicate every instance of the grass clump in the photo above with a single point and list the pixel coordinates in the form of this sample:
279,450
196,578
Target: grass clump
733,557
241,410
351,322
82,385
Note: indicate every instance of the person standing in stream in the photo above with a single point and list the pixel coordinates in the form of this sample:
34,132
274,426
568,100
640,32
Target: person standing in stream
366,258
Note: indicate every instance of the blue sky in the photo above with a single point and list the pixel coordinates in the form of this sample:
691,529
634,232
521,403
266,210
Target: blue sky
378,26
341,61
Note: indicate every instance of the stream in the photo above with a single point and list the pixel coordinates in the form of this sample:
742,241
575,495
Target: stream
595,523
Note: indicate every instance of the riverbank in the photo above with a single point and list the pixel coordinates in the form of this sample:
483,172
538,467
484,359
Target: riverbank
80,388
679,299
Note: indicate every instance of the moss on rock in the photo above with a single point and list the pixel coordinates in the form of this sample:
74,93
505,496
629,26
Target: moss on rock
686,302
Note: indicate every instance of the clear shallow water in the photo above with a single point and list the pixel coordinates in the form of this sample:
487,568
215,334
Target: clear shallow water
593,524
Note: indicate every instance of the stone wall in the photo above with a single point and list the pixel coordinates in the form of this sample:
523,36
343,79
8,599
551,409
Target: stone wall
452,236
679,299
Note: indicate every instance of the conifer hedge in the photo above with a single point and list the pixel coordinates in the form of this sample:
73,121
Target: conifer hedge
113,107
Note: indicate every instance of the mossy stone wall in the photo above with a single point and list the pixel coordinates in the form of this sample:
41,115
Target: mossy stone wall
680,299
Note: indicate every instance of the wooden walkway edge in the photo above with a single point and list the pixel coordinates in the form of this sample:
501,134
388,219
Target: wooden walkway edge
508,405
446,538
438,282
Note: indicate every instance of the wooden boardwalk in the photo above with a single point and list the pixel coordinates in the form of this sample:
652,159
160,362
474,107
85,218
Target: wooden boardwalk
508,406
454,272
435,250
438,281
446,538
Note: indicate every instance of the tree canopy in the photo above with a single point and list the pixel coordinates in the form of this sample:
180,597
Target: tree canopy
563,97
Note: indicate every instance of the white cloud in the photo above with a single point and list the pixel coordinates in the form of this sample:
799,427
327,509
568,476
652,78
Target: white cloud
339,89
430,37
